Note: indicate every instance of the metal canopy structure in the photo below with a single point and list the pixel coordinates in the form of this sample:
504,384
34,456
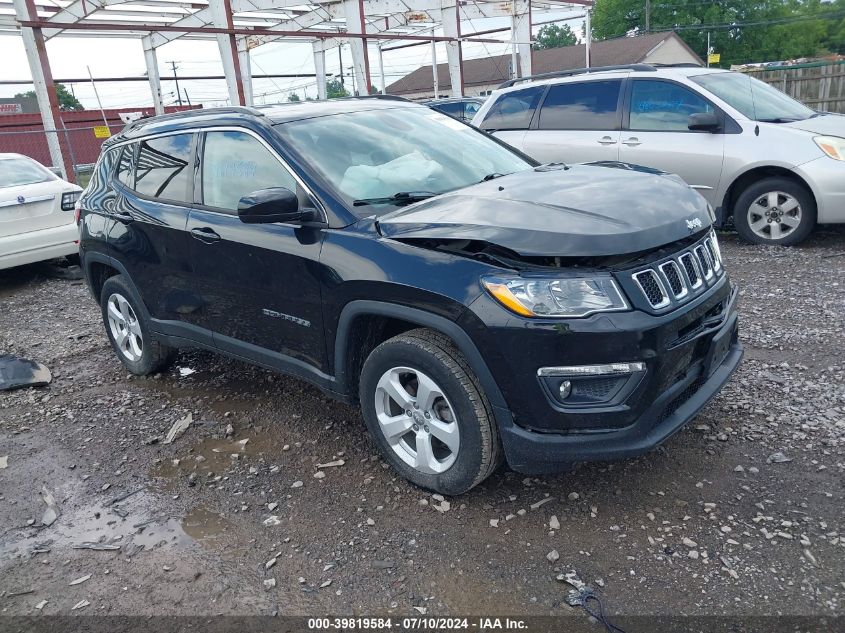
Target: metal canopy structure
239,26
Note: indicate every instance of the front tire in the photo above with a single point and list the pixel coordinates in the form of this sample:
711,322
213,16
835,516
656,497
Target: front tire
427,413
775,211
129,331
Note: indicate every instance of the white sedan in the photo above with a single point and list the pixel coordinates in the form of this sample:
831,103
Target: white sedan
36,213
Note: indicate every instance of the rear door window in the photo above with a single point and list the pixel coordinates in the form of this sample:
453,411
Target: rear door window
513,110
234,165
589,105
663,106
163,168
452,109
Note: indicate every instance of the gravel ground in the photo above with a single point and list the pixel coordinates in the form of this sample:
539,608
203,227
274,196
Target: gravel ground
740,514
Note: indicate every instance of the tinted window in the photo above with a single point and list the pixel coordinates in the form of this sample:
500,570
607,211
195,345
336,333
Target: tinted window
124,167
162,168
470,108
452,109
234,165
663,106
513,111
15,172
590,105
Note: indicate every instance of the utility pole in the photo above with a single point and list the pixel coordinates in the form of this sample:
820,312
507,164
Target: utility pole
187,97
176,78
708,49
647,16
588,36
340,61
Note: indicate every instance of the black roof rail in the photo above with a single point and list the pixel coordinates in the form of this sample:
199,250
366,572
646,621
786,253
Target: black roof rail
578,71
186,114
678,65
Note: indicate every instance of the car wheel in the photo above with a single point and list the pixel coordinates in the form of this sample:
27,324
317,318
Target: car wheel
427,413
775,211
128,330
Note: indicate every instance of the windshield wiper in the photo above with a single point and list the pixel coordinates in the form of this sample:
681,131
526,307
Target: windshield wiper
400,198
780,120
491,176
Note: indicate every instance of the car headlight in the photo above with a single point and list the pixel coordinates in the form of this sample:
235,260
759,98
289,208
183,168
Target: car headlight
833,146
556,297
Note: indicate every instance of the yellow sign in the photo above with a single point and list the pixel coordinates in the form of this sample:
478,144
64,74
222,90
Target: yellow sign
102,131
714,58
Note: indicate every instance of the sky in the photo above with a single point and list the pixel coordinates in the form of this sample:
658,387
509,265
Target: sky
113,57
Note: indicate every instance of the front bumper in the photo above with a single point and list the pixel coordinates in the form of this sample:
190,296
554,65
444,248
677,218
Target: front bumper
686,368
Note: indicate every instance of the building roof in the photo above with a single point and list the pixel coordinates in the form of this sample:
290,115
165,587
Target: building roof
495,70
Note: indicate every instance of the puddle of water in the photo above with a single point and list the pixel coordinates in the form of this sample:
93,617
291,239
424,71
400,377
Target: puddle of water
215,455
102,525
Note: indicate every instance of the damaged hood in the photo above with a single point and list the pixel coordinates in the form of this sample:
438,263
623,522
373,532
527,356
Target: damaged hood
596,209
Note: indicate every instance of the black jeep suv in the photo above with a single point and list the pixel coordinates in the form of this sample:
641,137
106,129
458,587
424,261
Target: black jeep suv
478,306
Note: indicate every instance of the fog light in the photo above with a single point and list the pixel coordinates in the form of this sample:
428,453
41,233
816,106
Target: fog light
565,389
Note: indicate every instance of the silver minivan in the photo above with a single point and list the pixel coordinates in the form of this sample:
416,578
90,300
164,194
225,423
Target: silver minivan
773,165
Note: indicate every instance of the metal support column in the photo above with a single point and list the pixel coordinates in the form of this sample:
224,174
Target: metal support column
434,77
450,12
320,67
45,89
151,58
588,37
246,68
381,68
221,12
355,23
521,31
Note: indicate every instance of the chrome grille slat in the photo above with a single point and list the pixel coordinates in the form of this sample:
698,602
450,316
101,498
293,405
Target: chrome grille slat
681,277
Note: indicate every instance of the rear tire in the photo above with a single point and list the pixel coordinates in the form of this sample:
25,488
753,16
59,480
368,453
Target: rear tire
775,211
427,413
128,329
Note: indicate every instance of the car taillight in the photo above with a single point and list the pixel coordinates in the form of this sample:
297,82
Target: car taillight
69,199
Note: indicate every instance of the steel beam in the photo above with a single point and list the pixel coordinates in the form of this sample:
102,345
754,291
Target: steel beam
221,12
45,89
320,68
450,11
246,69
151,59
355,23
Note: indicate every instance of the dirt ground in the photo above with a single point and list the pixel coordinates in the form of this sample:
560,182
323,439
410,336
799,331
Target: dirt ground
741,513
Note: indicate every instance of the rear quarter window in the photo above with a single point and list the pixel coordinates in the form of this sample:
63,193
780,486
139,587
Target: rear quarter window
513,110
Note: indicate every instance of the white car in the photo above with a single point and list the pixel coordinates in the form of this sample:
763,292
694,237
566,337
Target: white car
36,213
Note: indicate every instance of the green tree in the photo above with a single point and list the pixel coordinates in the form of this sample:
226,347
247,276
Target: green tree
554,36
742,31
335,89
66,99
293,97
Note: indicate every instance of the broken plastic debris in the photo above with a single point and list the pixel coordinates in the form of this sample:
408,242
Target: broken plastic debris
80,605
337,462
186,371
100,547
79,580
52,511
16,373
178,429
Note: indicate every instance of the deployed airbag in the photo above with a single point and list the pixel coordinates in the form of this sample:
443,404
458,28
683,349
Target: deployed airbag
20,372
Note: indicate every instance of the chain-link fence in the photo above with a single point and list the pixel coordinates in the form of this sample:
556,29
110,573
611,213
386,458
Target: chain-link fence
80,146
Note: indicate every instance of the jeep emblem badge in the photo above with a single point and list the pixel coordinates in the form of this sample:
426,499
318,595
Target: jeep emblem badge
693,224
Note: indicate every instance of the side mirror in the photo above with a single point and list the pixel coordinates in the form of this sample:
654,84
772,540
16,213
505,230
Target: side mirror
276,204
704,122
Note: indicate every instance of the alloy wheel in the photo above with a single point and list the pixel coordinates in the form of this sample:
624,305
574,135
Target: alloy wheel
417,420
125,328
774,215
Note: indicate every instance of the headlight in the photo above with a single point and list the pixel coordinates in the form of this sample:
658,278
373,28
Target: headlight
833,146
555,297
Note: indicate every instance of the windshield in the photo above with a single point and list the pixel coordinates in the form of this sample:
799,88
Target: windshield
756,100
371,156
15,172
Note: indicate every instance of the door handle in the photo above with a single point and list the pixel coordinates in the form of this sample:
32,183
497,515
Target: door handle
126,218
606,140
632,142
205,234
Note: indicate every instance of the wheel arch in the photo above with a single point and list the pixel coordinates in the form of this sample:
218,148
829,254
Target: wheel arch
351,346
99,267
742,181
